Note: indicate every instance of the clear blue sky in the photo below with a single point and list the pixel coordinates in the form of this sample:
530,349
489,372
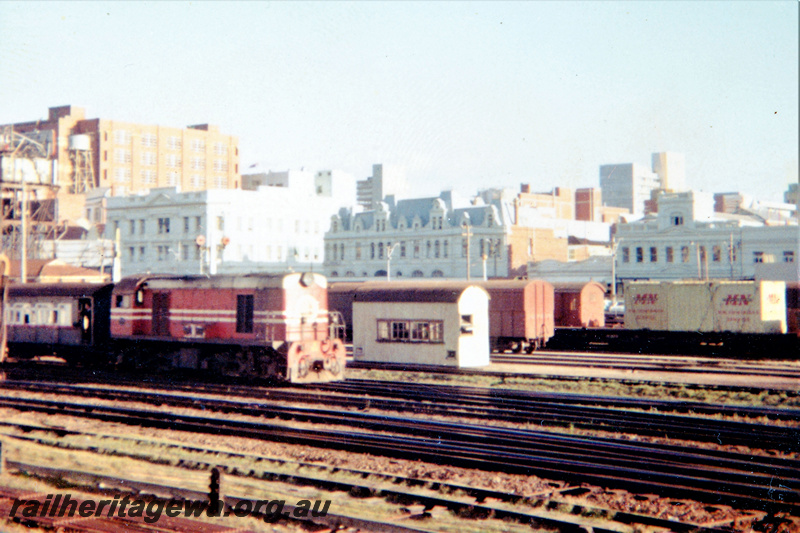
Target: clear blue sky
463,95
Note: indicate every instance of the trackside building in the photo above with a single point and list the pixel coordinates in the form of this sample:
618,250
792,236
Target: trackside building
445,324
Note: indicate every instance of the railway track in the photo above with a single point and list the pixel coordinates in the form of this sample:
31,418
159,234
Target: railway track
479,404
669,363
739,480
459,499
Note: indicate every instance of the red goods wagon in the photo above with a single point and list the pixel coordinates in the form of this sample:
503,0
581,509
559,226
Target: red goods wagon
520,313
579,305
261,325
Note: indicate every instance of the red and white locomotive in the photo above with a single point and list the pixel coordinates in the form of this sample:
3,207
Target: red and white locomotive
257,325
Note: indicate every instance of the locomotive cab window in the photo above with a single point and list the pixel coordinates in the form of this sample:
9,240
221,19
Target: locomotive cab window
244,313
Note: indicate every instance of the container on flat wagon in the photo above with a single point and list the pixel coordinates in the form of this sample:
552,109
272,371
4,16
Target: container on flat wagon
750,307
718,305
646,305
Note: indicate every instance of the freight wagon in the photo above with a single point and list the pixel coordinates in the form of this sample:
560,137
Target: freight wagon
579,305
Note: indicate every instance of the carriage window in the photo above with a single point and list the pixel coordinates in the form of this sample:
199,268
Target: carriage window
55,317
244,313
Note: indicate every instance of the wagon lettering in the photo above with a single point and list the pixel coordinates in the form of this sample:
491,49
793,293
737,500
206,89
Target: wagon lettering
645,299
738,299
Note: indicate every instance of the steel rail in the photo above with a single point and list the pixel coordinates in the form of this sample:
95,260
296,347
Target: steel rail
784,439
479,495
713,477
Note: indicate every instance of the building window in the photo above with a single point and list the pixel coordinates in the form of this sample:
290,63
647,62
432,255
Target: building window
141,226
121,156
122,137
149,140
758,257
161,253
436,249
788,256
372,250
163,225
184,252
186,224
122,175
684,254
197,181
148,177
419,331
653,254
416,249
358,251
173,178
670,252
133,227
197,163
173,161
198,146
626,254
639,254
220,165
716,253
221,182
149,159
173,142
141,253
676,220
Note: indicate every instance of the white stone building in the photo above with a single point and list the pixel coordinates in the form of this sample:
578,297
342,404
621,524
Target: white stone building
686,239
418,238
270,229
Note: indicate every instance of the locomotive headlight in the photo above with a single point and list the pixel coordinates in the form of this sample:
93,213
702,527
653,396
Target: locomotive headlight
307,279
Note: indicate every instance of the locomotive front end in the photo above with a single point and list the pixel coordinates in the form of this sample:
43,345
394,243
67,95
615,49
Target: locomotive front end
314,353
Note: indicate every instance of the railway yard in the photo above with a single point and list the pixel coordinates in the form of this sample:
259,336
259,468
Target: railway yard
549,441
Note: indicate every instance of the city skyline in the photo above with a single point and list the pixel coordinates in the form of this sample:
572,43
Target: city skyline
461,95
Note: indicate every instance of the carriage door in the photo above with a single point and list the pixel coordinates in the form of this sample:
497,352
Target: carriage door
161,314
85,319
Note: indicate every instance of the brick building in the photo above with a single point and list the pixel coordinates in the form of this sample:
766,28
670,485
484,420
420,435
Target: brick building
129,158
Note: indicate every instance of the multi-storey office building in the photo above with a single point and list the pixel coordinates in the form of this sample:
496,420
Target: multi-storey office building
687,239
129,158
631,185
